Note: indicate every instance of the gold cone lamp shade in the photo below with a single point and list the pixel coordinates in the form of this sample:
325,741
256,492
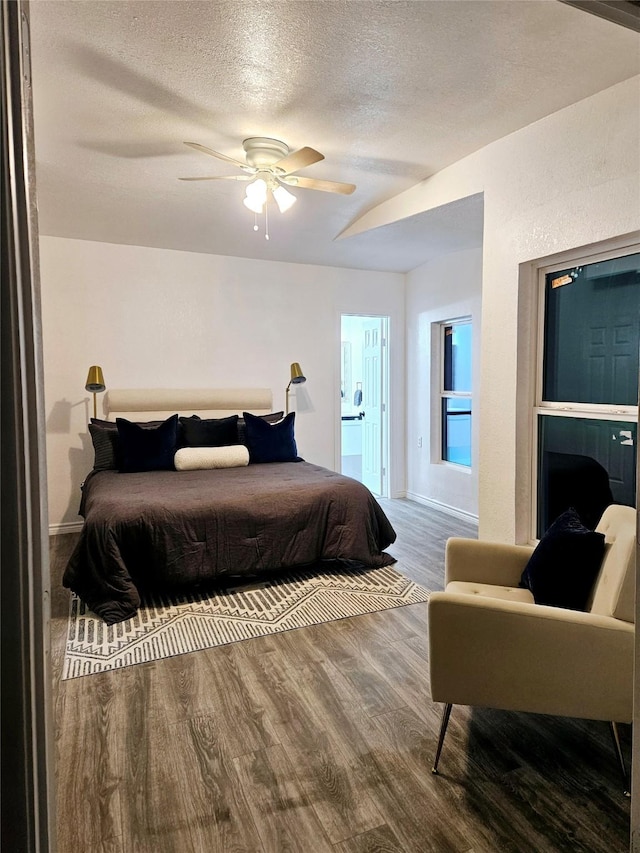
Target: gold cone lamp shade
95,380
95,384
297,377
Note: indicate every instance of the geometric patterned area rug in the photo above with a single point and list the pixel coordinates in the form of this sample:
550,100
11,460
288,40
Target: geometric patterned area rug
187,622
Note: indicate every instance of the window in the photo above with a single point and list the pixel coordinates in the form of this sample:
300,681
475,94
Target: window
455,392
587,399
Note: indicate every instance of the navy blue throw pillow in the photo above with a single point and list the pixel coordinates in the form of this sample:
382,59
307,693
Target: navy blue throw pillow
564,566
147,449
209,432
270,442
271,418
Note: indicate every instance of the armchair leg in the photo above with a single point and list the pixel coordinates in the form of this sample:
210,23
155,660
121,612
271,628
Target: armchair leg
616,744
446,713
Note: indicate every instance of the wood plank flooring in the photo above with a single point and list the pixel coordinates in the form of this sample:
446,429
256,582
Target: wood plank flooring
320,740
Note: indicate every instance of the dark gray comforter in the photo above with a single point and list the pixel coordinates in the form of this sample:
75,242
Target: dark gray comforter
170,528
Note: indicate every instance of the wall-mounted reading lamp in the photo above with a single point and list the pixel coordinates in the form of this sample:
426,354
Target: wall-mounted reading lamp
95,384
297,378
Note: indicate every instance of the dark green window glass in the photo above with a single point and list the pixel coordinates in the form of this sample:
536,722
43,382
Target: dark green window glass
592,333
584,463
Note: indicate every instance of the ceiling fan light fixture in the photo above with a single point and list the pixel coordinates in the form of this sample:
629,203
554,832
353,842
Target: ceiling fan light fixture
254,204
256,195
284,199
258,190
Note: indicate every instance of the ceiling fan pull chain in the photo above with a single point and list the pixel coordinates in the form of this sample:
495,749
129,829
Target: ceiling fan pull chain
266,221
255,221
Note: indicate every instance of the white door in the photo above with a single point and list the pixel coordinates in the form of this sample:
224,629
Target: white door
372,403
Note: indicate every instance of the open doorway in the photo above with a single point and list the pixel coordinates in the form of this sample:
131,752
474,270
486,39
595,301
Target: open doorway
363,400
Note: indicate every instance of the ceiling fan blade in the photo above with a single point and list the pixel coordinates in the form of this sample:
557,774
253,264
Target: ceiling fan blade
315,184
220,178
212,153
298,160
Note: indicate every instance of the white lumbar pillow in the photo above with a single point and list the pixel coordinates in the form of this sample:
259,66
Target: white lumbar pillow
196,458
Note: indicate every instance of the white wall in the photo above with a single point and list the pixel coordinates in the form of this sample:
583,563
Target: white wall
445,288
161,318
569,180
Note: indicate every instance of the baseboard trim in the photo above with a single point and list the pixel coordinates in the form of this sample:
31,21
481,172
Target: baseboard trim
65,527
450,510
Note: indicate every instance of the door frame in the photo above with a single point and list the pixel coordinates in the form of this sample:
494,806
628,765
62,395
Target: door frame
28,777
386,413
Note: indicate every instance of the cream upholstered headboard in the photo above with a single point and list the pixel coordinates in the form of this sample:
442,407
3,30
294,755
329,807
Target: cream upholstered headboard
150,404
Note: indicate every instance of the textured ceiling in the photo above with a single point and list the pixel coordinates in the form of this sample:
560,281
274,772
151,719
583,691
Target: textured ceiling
389,92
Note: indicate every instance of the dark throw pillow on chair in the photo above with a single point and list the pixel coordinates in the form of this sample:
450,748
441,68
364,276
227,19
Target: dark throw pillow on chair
563,568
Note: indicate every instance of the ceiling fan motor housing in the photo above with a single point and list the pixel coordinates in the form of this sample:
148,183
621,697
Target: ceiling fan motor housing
262,151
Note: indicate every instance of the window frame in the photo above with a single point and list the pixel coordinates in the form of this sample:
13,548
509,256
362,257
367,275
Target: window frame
444,394
549,408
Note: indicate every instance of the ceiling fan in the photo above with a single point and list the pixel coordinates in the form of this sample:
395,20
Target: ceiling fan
269,169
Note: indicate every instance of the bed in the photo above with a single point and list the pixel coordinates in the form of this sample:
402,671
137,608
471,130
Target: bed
164,529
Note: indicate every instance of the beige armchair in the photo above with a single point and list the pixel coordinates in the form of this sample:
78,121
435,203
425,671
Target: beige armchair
490,644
